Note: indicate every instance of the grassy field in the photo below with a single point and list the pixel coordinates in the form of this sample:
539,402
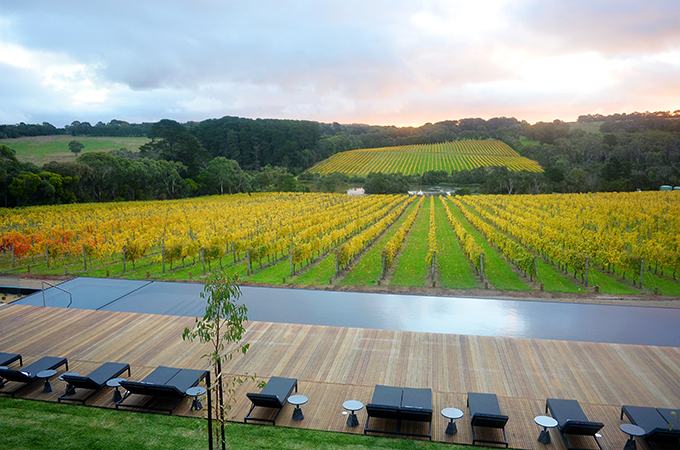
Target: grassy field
43,149
33,425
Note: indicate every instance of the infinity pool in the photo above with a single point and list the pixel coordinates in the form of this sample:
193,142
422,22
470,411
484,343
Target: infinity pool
468,316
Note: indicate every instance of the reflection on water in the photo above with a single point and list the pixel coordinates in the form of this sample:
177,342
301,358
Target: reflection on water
468,316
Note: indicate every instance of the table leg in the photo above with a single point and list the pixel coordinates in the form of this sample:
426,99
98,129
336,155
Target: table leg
196,404
116,395
48,386
352,420
544,437
451,428
297,413
630,444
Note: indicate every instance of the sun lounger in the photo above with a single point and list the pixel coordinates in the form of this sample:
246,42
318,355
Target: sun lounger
95,381
655,422
571,420
164,383
400,404
274,396
8,358
485,412
28,374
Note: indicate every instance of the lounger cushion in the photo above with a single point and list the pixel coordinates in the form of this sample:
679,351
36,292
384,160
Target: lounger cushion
386,402
8,358
265,400
570,417
485,411
666,414
28,373
165,382
161,375
584,428
185,379
280,388
97,378
416,404
647,418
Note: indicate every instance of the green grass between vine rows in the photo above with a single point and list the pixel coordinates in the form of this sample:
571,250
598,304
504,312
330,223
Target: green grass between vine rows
455,269
411,268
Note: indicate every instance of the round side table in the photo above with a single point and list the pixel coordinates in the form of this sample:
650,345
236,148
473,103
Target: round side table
545,422
115,382
632,431
352,406
46,374
70,389
452,414
196,391
297,400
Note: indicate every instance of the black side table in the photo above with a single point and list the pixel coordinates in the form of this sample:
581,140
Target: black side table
352,406
632,431
545,422
452,414
297,400
46,374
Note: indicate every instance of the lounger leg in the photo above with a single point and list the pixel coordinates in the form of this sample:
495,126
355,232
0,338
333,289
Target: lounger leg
70,389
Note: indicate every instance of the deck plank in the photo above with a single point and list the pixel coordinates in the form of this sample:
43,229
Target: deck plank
336,364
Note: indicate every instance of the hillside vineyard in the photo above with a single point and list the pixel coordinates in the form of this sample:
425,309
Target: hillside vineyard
418,159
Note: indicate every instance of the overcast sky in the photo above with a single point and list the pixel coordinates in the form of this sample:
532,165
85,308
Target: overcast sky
377,62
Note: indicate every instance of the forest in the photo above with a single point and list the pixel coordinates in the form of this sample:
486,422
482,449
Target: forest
231,154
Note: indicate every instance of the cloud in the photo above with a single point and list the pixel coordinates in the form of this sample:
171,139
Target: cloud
387,62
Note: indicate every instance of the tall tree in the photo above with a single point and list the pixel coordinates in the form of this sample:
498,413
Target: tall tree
76,147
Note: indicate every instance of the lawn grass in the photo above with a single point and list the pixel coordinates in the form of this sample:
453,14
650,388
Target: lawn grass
35,425
411,268
43,149
367,270
455,269
497,269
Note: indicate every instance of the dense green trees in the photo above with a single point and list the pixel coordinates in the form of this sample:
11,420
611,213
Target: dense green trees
232,154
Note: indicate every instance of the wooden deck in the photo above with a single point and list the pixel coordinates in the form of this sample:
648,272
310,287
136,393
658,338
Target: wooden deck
337,364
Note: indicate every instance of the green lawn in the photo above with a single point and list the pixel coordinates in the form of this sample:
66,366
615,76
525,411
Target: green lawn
43,149
35,425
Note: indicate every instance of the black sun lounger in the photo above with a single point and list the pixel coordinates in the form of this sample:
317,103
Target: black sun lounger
164,382
8,358
400,404
274,395
28,374
571,420
95,381
655,422
485,412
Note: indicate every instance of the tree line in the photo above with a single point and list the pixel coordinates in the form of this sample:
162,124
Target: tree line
231,154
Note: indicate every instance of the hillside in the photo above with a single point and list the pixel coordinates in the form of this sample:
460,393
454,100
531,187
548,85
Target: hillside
418,159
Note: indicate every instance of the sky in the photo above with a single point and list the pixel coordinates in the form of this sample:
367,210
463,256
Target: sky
395,62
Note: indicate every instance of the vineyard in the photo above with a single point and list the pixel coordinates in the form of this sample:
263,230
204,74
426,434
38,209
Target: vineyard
623,243
418,159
